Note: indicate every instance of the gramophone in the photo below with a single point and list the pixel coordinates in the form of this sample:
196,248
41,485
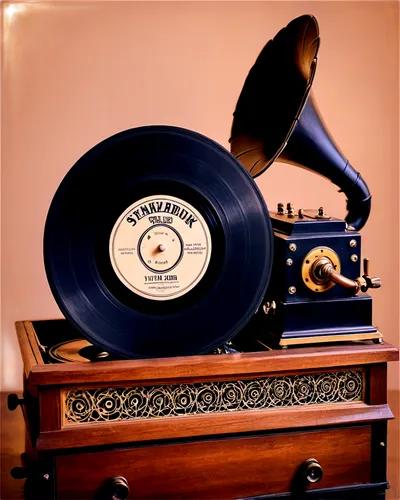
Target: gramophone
313,296
267,424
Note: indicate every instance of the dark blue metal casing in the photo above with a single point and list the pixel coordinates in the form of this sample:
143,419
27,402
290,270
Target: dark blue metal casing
304,313
306,234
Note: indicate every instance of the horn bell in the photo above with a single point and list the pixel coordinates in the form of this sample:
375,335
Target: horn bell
276,117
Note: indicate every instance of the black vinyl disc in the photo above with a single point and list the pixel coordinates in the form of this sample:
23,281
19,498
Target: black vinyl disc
158,243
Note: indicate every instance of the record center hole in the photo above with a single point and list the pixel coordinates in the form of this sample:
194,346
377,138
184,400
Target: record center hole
162,247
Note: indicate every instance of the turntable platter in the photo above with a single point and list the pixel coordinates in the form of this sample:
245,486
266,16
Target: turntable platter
76,351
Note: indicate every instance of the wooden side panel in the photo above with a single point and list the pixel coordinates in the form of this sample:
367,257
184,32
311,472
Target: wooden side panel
33,341
28,355
377,384
50,410
228,468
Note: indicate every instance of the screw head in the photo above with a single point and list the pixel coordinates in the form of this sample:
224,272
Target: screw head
382,444
292,247
289,262
353,243
292,290
354,258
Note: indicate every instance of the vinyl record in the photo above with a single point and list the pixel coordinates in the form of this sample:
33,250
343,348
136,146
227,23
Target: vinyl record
158,243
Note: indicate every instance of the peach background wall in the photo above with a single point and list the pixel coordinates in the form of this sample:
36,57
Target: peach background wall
77,72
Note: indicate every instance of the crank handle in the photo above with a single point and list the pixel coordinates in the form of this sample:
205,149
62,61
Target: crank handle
324,269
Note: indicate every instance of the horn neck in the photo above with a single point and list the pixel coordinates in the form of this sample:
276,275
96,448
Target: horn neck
312,147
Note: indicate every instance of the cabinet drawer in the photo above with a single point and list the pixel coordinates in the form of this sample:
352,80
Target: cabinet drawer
224,468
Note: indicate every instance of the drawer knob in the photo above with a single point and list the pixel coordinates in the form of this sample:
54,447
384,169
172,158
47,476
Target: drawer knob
19,473
312,471
118,488
13,401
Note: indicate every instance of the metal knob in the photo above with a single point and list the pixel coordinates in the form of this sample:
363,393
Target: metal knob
13,401
290,210
321,214
312,471
280,210
117,488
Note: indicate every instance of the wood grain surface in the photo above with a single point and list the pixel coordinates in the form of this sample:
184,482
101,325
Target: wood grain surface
13,439
223,469
92,434
189,368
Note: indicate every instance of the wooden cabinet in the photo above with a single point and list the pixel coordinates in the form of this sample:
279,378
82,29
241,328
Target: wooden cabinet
217,426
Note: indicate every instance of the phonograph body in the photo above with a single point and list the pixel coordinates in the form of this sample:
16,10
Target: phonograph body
171,272
312,296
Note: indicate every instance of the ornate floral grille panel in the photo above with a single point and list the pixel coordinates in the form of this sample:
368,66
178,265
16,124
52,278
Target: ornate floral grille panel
123,403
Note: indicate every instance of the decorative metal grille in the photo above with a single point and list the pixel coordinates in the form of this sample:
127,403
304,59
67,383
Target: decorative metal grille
123,403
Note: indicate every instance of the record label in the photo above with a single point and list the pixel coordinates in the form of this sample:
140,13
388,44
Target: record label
160,247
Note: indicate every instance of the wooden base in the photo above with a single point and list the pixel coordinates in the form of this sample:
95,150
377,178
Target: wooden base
223,426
